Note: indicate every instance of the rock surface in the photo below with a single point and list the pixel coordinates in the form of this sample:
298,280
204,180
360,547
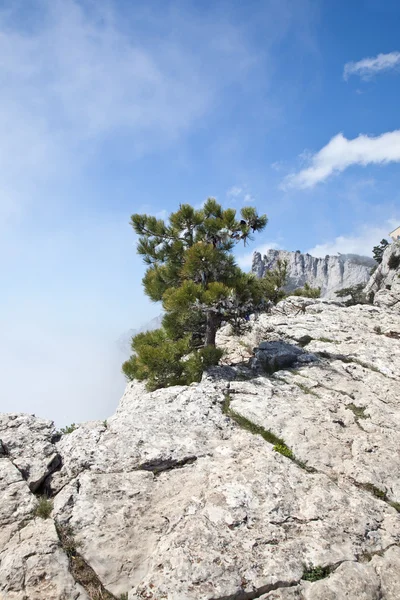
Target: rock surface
276,477
331,273
385,282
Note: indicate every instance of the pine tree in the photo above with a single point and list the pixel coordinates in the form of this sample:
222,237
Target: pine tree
356,294
192,272
191,267
378,250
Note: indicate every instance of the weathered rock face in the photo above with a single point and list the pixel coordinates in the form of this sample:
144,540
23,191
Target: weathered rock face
385,282
276,477
331,273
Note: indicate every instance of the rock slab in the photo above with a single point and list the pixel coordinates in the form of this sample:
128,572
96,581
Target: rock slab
278,483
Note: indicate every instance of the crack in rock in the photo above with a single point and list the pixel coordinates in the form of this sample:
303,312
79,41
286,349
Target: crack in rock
80,570
159,465
265,589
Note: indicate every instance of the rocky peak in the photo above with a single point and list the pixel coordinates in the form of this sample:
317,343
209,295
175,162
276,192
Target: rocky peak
277,477
384,283
331,273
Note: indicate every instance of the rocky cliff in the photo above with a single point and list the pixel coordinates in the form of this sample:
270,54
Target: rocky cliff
277,477
385,281
331,273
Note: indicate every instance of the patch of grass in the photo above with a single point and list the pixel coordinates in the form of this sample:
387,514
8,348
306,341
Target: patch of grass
68,429
43,508
124,596
377,492
358,411
349,360
268,436
244,423
315,573
327,340
81,571
284,450
105,423
365,365
306,389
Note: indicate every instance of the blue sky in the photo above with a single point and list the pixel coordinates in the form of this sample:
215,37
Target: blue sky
115,107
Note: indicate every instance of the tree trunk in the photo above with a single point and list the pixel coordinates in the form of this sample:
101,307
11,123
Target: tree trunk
211,329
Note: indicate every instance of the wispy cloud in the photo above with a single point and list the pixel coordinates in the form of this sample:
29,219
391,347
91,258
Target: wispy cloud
340,153
79,79
360,242
367,67
234,191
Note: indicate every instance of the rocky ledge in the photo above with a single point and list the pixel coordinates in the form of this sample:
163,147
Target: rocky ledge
276,477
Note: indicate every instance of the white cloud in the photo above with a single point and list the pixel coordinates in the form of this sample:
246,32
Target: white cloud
79,79
367,67
340,153
361,242
248,198
234,191
245,260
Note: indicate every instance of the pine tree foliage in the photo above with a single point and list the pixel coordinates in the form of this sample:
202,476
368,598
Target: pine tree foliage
192,272
307,291
377,251
191,267
163,362
354,295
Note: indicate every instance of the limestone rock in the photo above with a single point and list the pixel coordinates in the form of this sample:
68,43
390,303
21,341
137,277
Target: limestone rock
331,273
34,567
282,485
29,443
385,281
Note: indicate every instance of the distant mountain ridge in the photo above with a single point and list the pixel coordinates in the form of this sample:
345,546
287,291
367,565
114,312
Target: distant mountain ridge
331,273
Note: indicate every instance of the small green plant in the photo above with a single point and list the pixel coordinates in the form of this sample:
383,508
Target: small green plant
105,423
377,492
124,596
43,508
395,505
356,294
326,340
315,573
284,450
307,292
81,571
358,411
268,436
305,389
244,423
163,362
68,429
